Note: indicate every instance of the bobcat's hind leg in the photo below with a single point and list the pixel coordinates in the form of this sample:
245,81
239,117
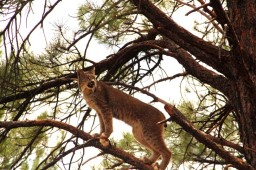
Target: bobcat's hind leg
157,144
138,134
166,156
152,158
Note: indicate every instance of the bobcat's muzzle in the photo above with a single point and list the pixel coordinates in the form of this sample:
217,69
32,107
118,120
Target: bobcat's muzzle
91,84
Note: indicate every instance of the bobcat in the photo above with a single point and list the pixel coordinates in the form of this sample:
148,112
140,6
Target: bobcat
109,102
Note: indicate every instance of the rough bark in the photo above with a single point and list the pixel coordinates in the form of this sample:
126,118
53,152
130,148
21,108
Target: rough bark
242,18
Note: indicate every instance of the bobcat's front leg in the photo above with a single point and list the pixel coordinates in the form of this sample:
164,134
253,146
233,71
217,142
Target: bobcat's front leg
102,125
107,120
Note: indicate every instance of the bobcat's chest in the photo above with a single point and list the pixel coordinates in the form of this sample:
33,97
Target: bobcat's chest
94,103
91,103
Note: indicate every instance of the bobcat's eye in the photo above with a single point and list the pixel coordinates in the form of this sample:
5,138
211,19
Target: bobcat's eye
90,78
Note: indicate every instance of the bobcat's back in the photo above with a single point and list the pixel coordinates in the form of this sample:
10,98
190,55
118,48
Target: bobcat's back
122,105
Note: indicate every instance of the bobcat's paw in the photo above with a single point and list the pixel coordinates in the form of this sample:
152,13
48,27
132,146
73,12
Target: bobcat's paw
104,140
155,166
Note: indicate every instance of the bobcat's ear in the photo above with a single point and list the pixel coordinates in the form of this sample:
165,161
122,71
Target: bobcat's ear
81,73
92,70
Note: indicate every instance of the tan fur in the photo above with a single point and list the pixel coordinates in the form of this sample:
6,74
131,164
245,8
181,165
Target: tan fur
109,102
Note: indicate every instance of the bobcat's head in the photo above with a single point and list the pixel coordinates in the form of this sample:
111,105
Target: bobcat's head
87,81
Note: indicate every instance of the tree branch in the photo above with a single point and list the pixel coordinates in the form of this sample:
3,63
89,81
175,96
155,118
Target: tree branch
201,49
202,137
207,14
128,158
223,19
192,66
126,54
113,61
41,88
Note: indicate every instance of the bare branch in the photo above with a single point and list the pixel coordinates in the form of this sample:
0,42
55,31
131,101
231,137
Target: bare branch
167,78
197,8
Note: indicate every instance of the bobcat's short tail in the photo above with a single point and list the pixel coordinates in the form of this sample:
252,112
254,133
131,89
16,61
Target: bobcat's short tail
164,122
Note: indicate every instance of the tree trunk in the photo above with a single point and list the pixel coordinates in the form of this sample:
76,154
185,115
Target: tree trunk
246,111
242,17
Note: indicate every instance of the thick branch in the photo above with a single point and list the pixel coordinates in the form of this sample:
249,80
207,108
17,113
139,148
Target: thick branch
33,92
202,73
130,159
179,118
201,49
192,66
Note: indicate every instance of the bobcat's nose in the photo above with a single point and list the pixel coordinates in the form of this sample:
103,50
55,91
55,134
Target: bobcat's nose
91,84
